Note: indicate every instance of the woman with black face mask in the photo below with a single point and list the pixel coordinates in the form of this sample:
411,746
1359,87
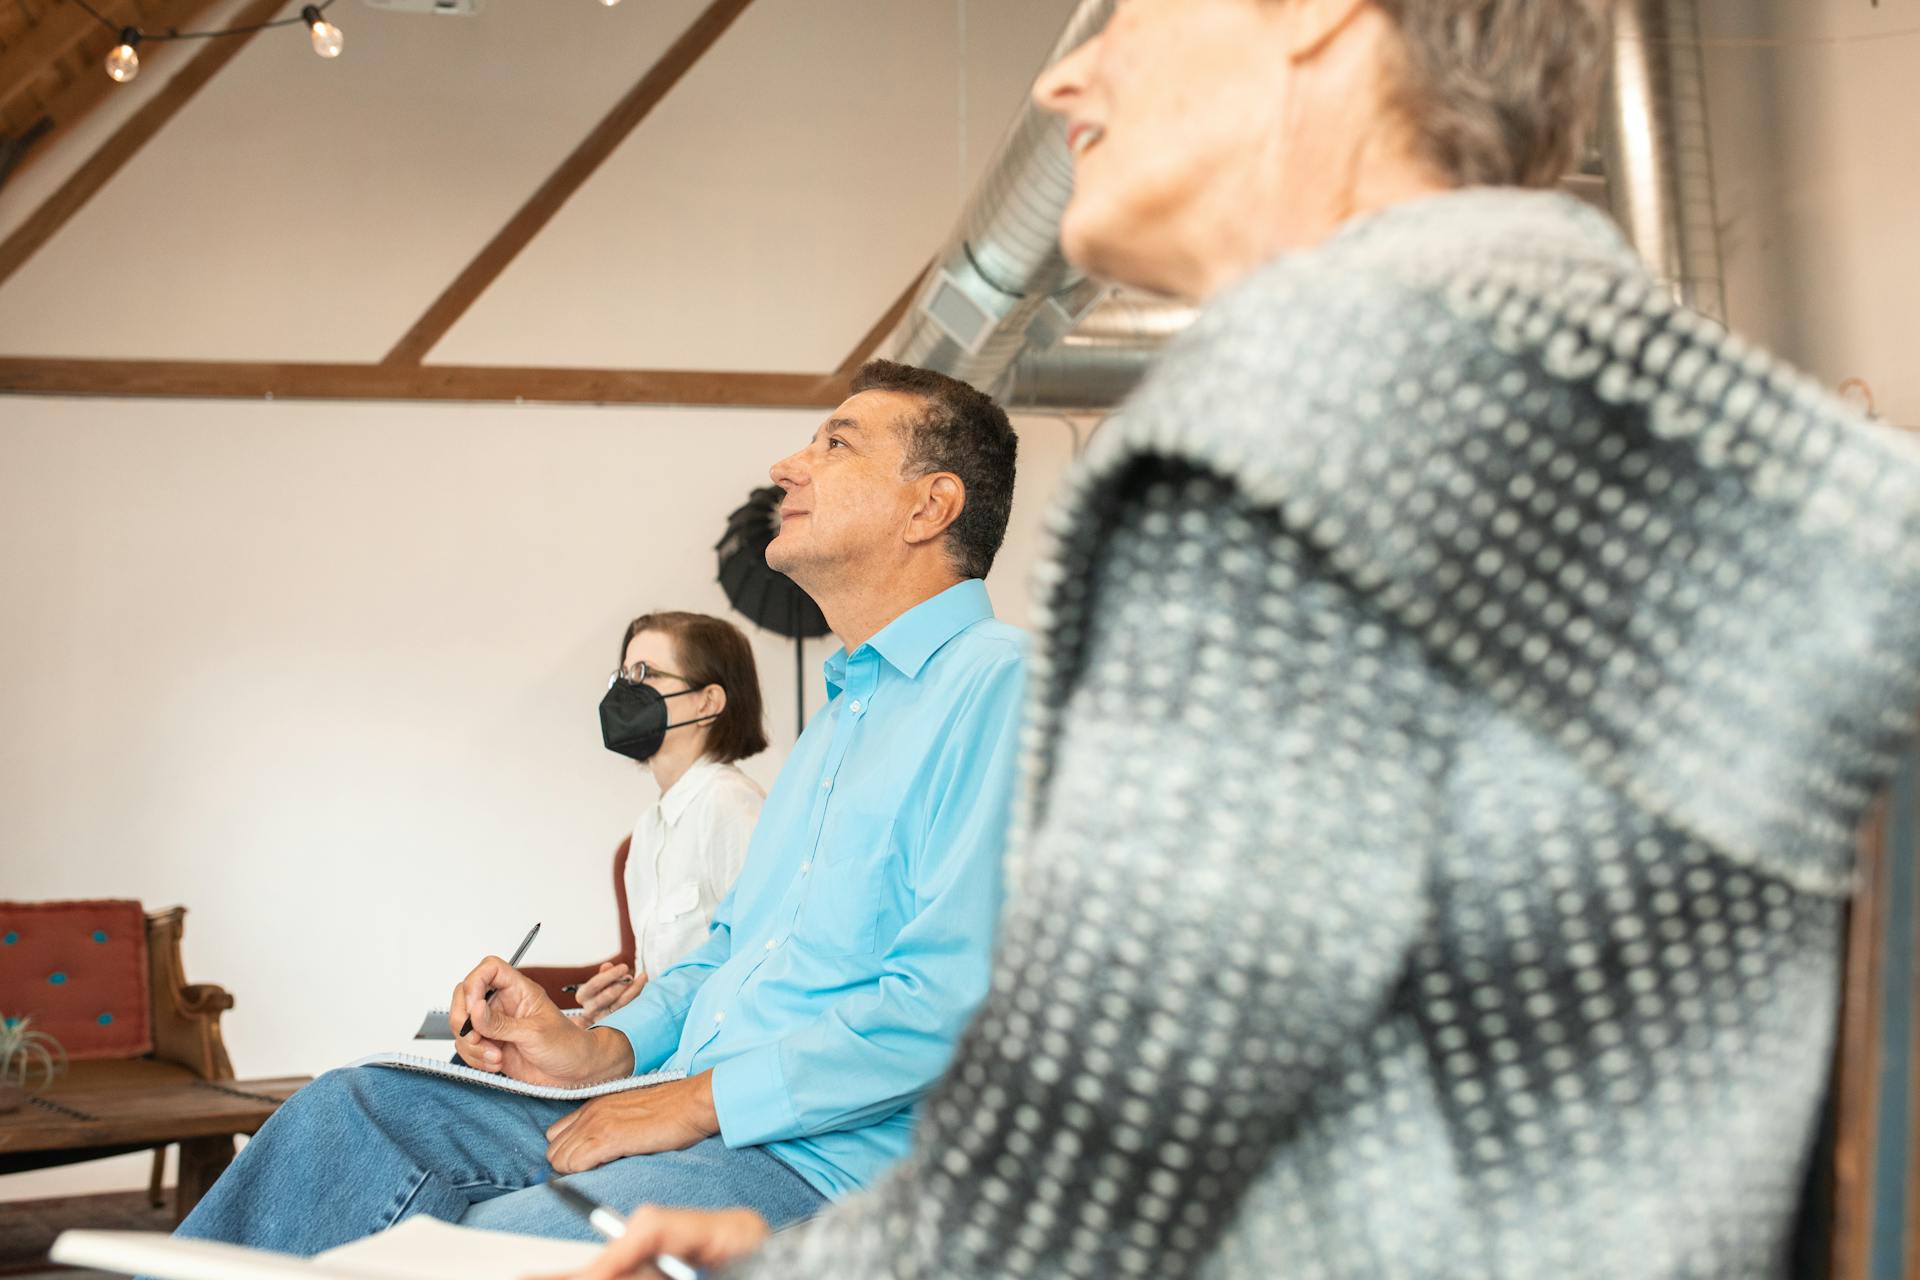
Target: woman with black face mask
685,701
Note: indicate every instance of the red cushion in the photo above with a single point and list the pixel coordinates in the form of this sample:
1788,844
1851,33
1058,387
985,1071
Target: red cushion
79,970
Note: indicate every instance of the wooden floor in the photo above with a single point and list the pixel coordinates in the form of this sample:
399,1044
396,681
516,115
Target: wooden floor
27,1228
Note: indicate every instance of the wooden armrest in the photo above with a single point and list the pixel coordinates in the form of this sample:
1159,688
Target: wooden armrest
204,1000
186,1016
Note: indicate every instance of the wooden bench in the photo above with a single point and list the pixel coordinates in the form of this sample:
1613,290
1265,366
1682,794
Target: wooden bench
203,1116
187,1049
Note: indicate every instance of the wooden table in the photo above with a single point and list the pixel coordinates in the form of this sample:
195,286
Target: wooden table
201,1115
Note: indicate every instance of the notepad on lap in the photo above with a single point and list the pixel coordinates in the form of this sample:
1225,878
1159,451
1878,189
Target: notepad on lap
494,1080
426,1054
418,1249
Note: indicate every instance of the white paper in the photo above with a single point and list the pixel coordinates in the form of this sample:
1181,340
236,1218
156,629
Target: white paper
150,1253
429,1249
418,1249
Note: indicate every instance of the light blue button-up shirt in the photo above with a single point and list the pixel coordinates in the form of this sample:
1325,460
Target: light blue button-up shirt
856,943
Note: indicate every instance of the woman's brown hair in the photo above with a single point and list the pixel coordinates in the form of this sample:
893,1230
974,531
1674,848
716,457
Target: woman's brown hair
713,651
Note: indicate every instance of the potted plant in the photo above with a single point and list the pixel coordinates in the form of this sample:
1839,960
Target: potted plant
25,1053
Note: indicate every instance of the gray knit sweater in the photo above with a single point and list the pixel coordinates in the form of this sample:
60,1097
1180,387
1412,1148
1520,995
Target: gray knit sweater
1461,673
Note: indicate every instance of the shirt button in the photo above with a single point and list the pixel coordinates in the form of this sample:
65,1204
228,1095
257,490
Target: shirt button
720,1016
772,943
805,867
854,706
826,784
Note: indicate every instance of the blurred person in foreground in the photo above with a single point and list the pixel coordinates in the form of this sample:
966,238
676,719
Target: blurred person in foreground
1461,673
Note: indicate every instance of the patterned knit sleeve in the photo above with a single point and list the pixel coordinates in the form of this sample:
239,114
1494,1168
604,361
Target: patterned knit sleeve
1221,885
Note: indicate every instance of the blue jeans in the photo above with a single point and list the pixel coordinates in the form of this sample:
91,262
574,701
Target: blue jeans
359,1150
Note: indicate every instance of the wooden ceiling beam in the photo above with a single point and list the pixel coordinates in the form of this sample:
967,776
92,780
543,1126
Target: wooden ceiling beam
543,204
59,30
92,89
14,150
99,169
33,375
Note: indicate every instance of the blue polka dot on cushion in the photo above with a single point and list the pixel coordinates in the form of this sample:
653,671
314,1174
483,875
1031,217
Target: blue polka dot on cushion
11,938
57,978
99,935
105,1019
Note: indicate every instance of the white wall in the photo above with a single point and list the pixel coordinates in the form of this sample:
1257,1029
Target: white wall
327,674
1817,164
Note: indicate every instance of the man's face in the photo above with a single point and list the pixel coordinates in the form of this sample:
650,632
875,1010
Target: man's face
847,503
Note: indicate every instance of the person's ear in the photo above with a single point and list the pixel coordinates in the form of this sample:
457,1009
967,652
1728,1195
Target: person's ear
942,498
713,700
1316,24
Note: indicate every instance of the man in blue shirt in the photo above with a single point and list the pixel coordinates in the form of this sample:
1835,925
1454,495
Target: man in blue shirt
841,968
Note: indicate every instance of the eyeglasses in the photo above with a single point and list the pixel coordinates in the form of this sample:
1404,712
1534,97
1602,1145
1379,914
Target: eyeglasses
641,672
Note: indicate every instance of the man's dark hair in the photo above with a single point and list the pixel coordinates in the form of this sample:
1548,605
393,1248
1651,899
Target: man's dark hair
712,650
963,431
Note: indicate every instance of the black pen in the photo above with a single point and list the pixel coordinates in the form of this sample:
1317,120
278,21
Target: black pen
609,1225
466,1028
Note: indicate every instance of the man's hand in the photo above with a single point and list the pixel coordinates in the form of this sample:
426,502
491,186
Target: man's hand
522,1034
662,1117
608,990
705,1239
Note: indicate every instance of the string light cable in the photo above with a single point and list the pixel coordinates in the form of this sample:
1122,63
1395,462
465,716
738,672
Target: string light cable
123,63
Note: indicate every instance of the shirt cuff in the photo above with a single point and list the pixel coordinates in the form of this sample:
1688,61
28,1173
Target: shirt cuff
652,1036
750,1098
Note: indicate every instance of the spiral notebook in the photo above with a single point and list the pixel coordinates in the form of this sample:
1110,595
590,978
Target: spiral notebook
428,1055
494,1080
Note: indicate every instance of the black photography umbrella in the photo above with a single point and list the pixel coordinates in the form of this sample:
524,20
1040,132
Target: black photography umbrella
766,596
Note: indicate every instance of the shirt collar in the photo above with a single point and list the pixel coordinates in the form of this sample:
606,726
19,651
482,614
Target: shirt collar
683,793
916,635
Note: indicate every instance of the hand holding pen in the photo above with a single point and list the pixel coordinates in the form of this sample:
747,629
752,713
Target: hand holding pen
518,1031
613,987
673,1241
466,1028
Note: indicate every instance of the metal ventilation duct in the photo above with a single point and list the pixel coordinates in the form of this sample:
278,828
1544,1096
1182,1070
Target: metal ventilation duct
1655,151
1100,363
1001,283
1003,310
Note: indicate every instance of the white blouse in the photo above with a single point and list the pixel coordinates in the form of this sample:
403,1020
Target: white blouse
687,849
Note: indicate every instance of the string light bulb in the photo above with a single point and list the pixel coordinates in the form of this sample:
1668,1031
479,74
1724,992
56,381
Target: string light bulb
327,38
123,64
609,3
